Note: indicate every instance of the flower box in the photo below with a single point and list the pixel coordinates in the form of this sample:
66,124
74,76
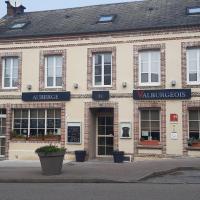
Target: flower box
149,142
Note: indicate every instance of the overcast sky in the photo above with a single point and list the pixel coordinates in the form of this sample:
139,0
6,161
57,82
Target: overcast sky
35,5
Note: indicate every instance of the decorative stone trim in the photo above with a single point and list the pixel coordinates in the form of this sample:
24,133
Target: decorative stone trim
186,105
128,34
90,67
87,117
43,54
150,104
38,106
184,47
11,54
136,50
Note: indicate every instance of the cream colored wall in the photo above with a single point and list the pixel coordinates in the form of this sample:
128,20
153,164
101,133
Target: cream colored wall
77,73
24,151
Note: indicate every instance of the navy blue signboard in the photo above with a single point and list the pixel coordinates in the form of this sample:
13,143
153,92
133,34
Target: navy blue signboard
100,95
162,94
46,96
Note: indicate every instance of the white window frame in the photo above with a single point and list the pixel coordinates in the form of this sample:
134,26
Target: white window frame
149,83
11,73
54,71
140,135
193,121
102,70
198,68
29,120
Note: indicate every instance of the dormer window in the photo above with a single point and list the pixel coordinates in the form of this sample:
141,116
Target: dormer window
193,11
18,25
106,18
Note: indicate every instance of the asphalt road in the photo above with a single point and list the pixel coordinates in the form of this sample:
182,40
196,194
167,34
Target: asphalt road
99,191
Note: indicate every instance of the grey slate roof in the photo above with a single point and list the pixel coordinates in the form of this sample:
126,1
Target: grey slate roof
130,16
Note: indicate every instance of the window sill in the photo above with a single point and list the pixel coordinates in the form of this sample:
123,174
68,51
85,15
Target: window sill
37,140
193,148
141,146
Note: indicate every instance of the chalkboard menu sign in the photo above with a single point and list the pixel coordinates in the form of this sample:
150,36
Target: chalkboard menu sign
74,133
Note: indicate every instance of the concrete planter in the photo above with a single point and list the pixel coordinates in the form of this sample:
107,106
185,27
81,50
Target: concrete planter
51,163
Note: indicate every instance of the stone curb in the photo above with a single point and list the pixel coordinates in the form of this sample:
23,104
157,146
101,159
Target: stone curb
166,172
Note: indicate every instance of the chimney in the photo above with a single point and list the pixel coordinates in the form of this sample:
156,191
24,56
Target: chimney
13,11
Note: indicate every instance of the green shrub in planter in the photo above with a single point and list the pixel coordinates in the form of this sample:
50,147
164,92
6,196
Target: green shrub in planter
51,159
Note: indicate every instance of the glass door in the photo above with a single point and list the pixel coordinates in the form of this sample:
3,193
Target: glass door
105,135
2,133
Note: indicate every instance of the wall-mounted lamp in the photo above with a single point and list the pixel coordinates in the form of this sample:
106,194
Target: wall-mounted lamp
29,87
173,83
124,84
75,85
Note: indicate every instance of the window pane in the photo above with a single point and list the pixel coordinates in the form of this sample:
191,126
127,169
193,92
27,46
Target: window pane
155,56
98,59
58,71
145,115
7,69
145,125
193,115
154,115
50,123
41,123
98,70
50,81
97,80
24,123
144,56
154,78
41,113
58,61
144,78
192,54
33,113
192,76
144,67
58,123
194,126
33,123
17,113
107,69
6,82
155,67
59,81
107,58
14,82
58,113
50,113
155,125
193,65
17,123
107,80
50,63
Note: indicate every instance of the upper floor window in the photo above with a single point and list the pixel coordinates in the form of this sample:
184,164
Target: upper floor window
149,68
193,66
53,71
106,18
102,69
10,72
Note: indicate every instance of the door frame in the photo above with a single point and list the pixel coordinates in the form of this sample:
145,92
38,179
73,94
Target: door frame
97,136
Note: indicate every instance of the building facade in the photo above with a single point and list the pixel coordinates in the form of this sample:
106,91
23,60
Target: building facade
104,78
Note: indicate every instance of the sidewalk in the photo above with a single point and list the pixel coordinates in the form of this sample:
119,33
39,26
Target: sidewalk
93,171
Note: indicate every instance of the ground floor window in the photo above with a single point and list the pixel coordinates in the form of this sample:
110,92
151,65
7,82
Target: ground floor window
150,124
36,122
194,124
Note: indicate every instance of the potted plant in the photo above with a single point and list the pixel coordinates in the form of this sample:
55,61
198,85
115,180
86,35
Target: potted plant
80,155
51,159
118,156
